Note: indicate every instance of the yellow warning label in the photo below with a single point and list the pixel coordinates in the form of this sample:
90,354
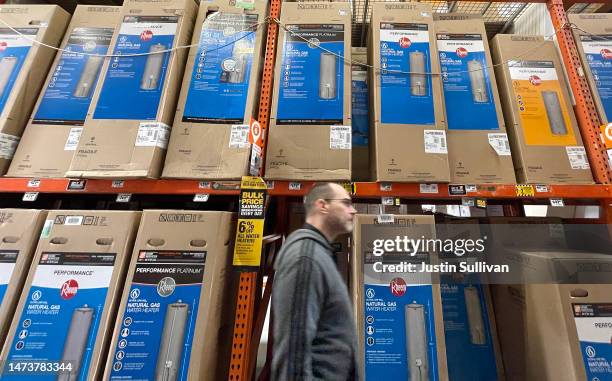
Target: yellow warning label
247,249
250,182
525,191
542,108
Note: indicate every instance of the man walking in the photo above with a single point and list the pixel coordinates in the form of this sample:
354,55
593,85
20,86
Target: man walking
314,328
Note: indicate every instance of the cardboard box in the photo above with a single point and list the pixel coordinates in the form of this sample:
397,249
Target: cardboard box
217,100
542,128
524,232
360,109
127,127
478,147
19,231
178,300
23,66
310,123
68,305
595,48
51,136
556,331
408,128
392,346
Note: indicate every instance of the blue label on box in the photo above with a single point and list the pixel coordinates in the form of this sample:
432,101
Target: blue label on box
312,75
133,85
467,83
406,94
59,322
360,111
222,69
470,352
69,92
593,325
14,49
158,323
400,337
598,51
7,266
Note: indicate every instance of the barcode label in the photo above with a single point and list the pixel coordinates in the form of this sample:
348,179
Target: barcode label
435,141
541,188
500,144
73,220
428,188
471,188
388,200
386,219
340,137
577,157
239,136
73,139
117,184
153,134
8,145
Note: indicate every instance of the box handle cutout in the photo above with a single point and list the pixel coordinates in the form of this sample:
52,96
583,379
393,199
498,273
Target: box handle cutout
104,241
579,293
156,242
58,240
10,239
198,243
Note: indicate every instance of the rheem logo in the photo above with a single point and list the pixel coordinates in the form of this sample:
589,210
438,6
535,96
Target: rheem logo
146,35
3,46
606,54
461,52
405,42
69,289
398,287
535,80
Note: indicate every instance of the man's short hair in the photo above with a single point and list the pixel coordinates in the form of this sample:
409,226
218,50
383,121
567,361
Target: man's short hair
319,191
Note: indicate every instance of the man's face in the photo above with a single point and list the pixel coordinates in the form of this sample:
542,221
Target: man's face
340,211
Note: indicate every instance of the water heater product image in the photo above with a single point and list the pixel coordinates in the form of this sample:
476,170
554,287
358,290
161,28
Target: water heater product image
416,339
240,59
153,67
554,113
474,316
172,342
477,81
7,64
88,77
76,342
327,76
418,79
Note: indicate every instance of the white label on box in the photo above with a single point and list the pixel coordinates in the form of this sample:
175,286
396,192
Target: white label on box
541,188
558,202
386,219
30,196
340,137
256,159
239,136
500,144
73,139
8,145
388,200
73,220
577,157
46,230
153,134
428,188
124,197
435,141
201,197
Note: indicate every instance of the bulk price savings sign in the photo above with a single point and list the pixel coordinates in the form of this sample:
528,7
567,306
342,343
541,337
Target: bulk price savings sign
249,234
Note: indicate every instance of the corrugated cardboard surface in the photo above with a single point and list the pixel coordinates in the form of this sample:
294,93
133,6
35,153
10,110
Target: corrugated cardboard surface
19,231
51,21
534,163
397,151
99,232
171,230
471,158
412,226
360,155
597,24
107,148
302,152
41,151
201,150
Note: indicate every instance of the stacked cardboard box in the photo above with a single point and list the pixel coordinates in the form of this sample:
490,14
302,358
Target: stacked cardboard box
310,123
219,93
23,66
542,127
127,128
52,134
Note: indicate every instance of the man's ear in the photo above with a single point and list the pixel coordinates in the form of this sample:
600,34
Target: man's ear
321,205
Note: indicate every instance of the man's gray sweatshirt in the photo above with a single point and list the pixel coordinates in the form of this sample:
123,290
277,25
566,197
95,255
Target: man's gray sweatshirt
313,326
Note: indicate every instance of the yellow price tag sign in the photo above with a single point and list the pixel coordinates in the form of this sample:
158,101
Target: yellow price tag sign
251,217
525,190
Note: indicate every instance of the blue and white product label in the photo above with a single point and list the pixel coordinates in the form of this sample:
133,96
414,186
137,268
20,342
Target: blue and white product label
133,84
60,319
7,265
14,49
159,320
312,75
470,353
598,51
594,326
467,84
406,94
222,69
360,107
69,92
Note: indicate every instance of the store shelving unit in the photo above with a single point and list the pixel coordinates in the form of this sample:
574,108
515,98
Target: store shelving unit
249,302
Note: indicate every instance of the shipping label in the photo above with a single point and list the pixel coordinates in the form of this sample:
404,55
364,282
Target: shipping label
598,51
14,50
